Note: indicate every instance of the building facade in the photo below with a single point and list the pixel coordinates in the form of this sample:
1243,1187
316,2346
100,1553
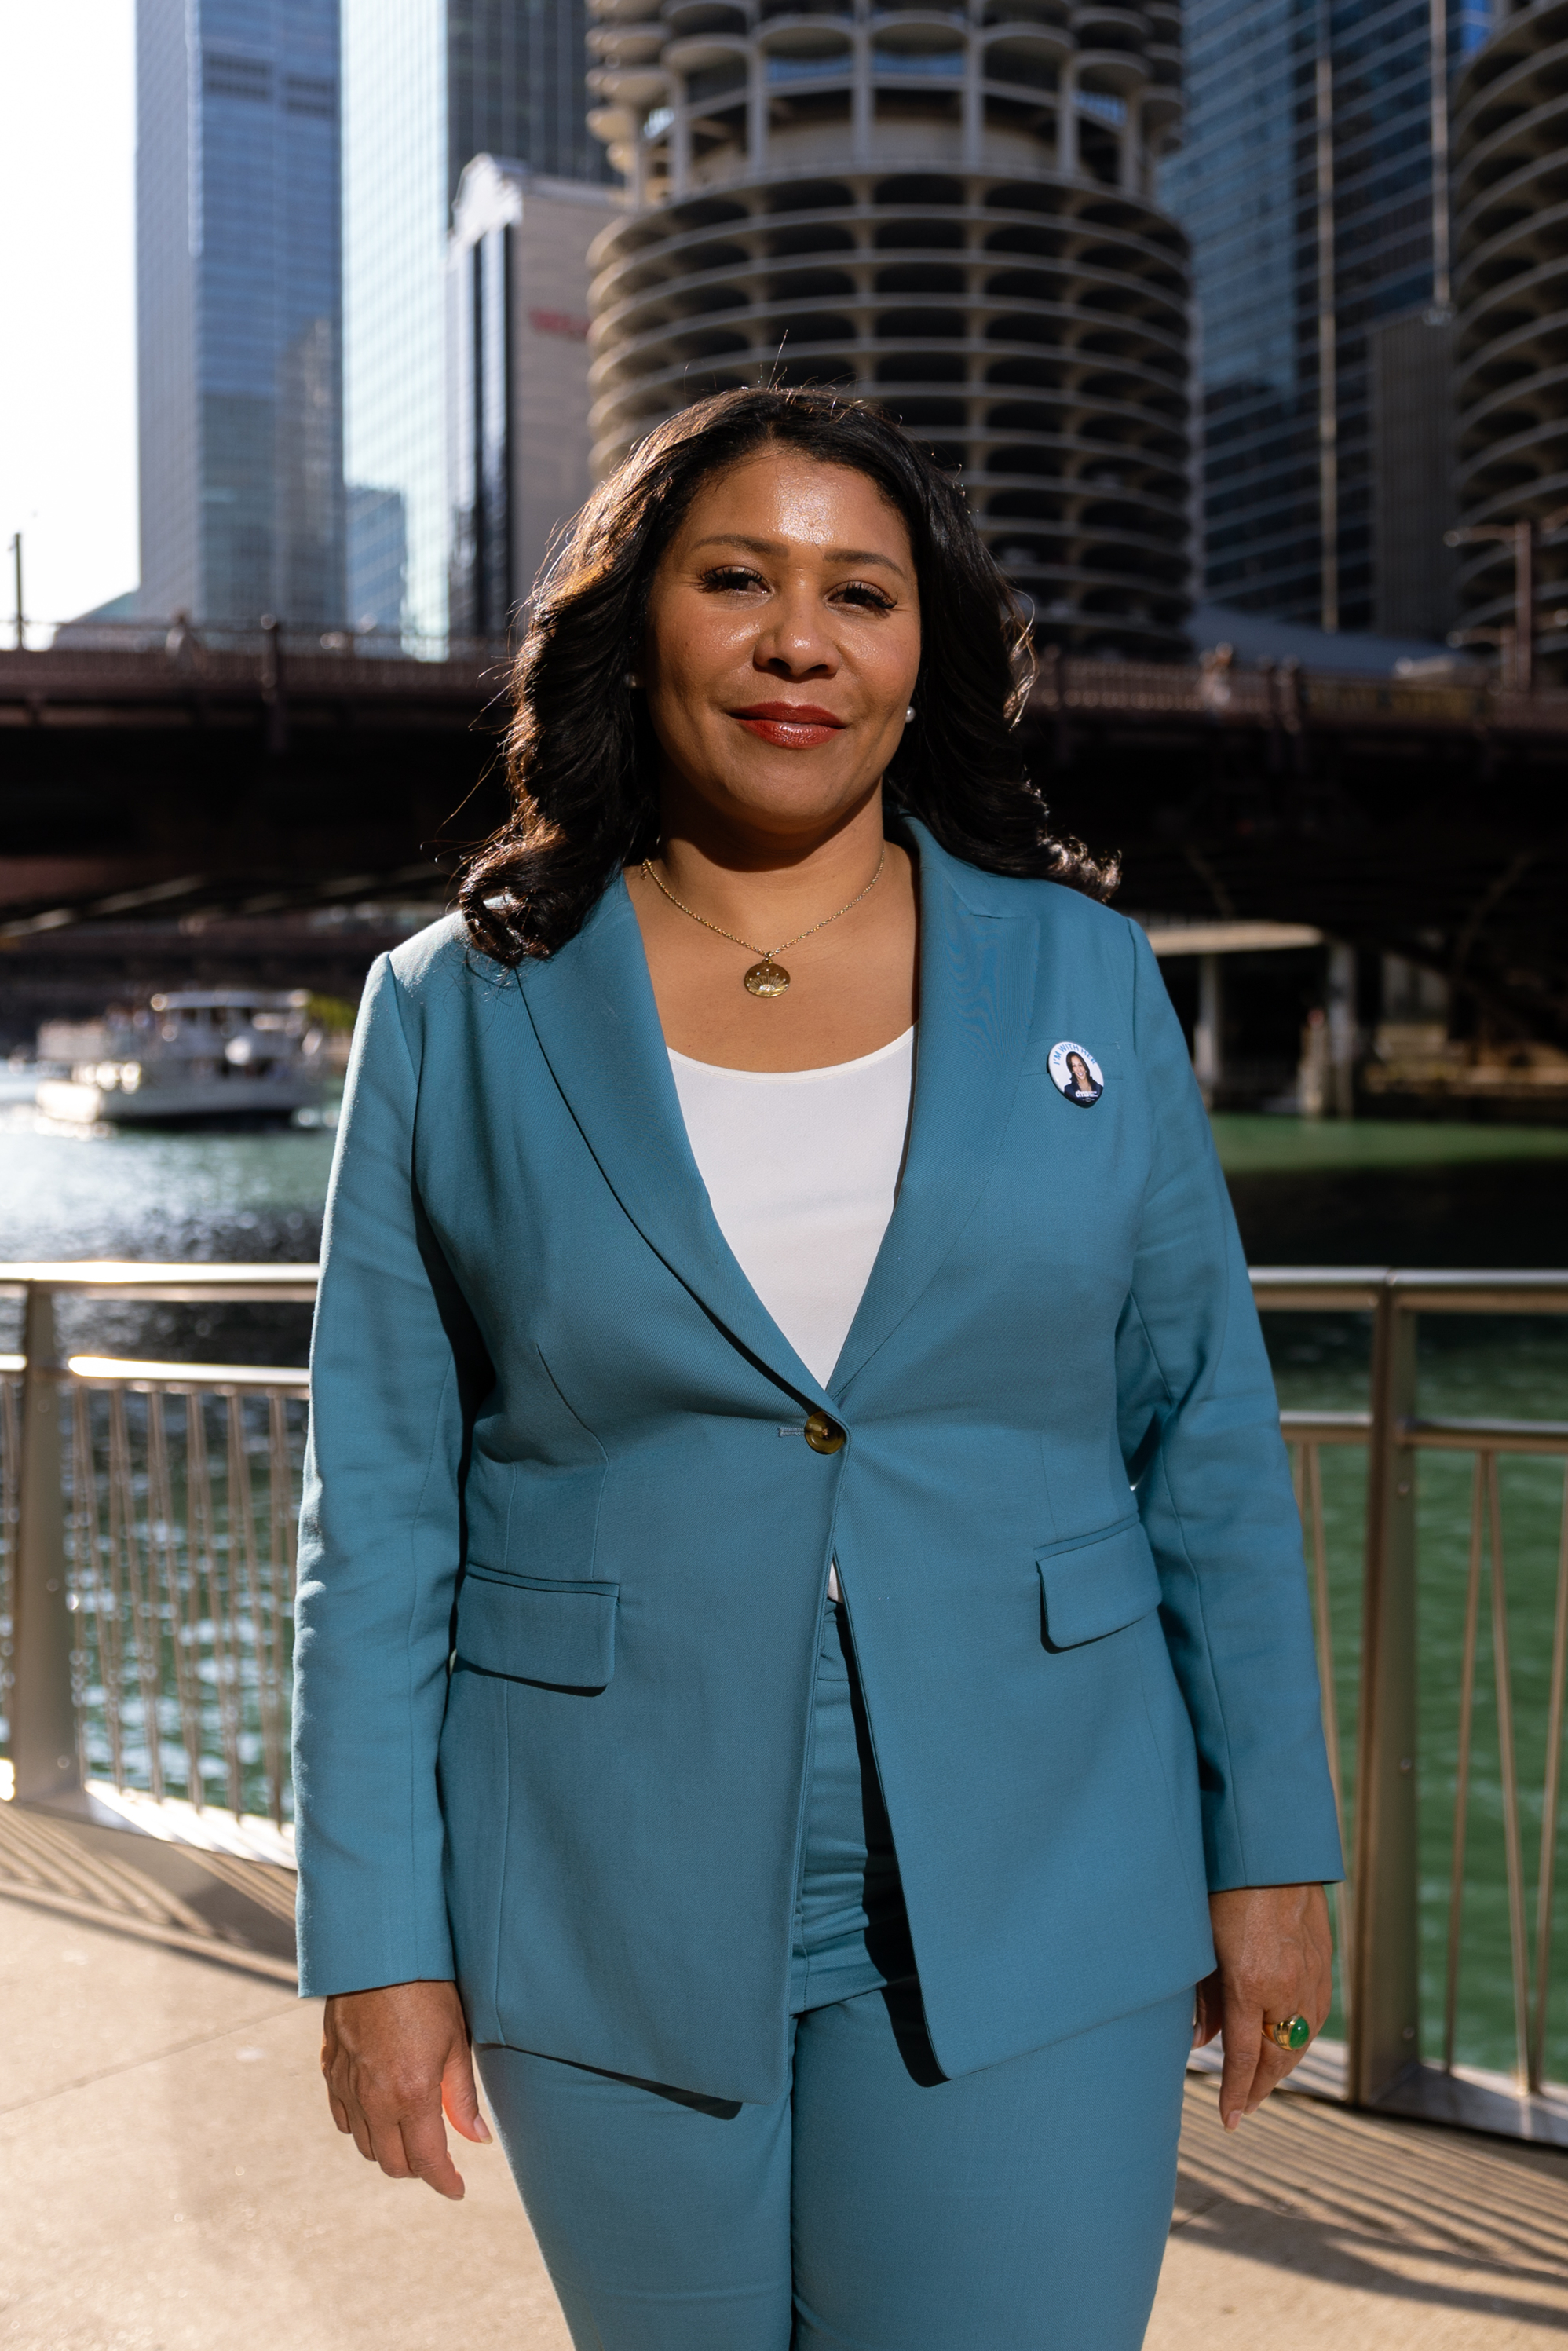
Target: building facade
518,440
1511,235
514,87
1312,182
239,310
428,84
949,210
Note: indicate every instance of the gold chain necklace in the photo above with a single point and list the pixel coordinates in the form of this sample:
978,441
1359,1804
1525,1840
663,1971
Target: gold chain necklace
768,978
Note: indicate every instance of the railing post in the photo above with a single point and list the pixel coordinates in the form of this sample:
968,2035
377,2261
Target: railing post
1383,2022
43,1719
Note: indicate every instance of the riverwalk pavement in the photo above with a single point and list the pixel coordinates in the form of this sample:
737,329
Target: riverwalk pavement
171,2182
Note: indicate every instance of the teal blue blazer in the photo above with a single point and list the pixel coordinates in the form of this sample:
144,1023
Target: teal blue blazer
565,1549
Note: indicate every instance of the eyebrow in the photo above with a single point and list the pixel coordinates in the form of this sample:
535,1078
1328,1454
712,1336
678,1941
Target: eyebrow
780,547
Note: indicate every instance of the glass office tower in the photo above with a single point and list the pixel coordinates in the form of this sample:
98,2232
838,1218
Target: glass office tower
239,310
1312,184
428,84
514,87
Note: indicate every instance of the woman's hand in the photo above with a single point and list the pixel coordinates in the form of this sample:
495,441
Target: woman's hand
392,2058
1276,1957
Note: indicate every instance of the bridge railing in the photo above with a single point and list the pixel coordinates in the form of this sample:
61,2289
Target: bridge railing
96,660
147,1518
197,645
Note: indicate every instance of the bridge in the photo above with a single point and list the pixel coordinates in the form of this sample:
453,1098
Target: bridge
253,777
1416,817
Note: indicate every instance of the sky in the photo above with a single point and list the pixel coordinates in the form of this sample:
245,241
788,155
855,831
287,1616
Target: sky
67,303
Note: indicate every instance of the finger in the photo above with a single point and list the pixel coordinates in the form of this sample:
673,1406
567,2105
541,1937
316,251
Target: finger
1273,2065
427,2157
460,2097
347,2111
1206,2013
387,2147
1243,2047
1286,2062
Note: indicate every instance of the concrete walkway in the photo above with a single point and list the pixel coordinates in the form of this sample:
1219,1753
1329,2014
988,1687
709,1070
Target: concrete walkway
1315,2227
171,2183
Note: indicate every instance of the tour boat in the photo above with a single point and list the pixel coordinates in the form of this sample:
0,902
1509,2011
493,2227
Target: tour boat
192,1057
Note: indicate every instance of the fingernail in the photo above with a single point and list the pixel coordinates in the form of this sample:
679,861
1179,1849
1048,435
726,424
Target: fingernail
482,2130
1232,2122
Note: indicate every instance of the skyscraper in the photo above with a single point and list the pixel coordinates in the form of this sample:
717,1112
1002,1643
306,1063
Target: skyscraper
514,87
428,84
239,310
518,433
948,210
1313,182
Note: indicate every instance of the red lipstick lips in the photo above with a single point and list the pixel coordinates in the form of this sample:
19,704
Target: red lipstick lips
794,726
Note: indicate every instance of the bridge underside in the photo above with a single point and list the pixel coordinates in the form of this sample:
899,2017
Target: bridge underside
1425,823
1450,850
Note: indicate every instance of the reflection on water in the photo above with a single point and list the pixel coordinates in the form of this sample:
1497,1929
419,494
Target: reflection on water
170,1199
164,1196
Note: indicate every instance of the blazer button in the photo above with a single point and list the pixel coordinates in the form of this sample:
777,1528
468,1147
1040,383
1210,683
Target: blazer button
823,1435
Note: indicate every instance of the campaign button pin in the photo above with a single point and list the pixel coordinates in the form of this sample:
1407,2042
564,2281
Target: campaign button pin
1076,1074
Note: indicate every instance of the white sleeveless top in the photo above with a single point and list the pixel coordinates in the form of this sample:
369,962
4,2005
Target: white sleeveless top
801,1168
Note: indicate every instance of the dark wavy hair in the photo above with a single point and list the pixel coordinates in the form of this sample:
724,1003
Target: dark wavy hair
581,758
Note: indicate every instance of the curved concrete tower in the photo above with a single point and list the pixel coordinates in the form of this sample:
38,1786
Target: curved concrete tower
946,210
1510,287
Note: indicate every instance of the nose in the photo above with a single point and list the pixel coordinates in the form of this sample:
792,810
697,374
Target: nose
794,640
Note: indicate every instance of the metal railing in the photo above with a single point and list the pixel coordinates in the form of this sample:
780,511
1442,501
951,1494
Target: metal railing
147,1554
1381,1907
1269,696
146,1581
198,645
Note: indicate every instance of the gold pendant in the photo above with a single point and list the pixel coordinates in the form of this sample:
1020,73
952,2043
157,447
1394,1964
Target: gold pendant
766,979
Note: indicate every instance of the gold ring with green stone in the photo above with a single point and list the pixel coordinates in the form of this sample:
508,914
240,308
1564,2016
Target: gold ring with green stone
1290,2033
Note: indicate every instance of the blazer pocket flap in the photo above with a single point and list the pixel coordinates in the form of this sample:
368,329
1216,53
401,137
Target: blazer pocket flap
1096,1585
534,1629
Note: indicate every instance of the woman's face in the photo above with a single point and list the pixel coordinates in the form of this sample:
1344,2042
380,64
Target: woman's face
1080,1069
782,644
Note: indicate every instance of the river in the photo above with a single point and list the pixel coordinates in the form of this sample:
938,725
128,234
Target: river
1367,1193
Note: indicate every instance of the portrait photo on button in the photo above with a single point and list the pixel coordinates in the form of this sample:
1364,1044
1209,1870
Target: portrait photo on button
1076,1073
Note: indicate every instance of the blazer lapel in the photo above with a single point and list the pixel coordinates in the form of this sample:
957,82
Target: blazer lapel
977,999
593,1012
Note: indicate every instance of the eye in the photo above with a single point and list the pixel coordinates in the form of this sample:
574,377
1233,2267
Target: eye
865,596
731,578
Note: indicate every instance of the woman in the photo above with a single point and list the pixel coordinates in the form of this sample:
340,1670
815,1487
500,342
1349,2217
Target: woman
1081,1086
803,1649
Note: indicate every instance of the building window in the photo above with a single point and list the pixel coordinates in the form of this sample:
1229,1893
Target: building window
310,94
230,76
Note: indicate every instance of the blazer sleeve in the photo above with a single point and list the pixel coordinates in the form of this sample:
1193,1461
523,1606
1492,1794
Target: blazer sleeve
1200,1433
396,1363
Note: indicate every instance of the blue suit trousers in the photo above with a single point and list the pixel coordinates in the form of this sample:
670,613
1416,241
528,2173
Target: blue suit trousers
874,2206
